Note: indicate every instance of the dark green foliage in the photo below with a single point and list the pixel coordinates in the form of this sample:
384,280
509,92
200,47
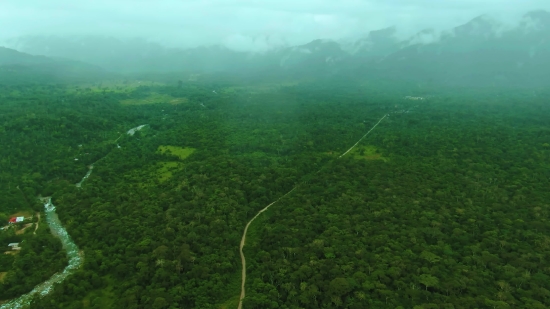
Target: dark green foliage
40,257
456,217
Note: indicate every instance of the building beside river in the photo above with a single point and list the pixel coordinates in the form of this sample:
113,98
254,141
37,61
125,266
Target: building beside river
16,219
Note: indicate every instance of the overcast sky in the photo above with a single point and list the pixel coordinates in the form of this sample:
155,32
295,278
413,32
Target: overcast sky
236,23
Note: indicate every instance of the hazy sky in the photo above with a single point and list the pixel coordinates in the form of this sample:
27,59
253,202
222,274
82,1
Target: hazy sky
245,24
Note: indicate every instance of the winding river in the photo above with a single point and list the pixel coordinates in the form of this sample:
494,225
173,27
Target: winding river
76,257
75,260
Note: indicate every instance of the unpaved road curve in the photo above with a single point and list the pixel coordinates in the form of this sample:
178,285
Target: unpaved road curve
243,239
37,223
243,242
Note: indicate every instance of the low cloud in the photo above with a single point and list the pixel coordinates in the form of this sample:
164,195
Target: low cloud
247,24
260,44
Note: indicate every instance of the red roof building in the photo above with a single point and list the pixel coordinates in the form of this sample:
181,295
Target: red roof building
17,219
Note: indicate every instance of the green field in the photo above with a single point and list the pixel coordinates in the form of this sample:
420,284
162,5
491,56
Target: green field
155,98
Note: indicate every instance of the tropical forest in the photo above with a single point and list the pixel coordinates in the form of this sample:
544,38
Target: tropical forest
363,184
443,204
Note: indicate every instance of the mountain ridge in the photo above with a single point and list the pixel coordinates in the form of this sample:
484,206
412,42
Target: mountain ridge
17,68
479,52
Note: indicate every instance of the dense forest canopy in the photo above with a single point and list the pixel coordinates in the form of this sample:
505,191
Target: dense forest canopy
444,205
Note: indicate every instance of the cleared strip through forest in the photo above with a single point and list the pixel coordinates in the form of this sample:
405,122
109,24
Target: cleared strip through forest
243,239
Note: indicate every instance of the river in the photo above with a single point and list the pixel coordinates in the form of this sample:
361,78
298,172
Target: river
75,257
75,260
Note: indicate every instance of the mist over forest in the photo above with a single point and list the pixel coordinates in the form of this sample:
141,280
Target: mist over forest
365,154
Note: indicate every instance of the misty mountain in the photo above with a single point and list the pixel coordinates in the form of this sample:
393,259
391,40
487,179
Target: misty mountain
478,53
12,57
17,67
481,52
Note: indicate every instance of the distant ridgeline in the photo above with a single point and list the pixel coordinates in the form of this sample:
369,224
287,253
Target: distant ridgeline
18,68
478,53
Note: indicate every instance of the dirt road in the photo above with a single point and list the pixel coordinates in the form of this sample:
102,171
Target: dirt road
243,242
22,230
243,239
37,222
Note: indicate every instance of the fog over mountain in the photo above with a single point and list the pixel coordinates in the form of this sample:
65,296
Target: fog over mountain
247,25
483,51
18,68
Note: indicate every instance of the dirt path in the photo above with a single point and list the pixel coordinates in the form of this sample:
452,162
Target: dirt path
364,136
21,231
37,222
243,242
243,239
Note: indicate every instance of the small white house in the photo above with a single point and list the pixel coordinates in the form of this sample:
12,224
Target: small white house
14,246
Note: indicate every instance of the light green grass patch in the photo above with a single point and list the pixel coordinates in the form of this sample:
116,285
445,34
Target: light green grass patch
165,170
368,152
179,152
155,98
161,171
22,213
118,86
259,88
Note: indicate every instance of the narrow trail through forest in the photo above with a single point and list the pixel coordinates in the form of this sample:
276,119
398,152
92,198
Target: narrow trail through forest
243,239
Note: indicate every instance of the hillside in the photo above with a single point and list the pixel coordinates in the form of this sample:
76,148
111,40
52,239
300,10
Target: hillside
21,68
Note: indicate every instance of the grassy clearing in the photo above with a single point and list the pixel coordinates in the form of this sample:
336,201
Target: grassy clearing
22,230
368,152
161,171
179,152
256,89
119,86
155,98
165,169
22,213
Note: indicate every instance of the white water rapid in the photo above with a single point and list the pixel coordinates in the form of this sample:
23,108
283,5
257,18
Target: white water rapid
75,260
